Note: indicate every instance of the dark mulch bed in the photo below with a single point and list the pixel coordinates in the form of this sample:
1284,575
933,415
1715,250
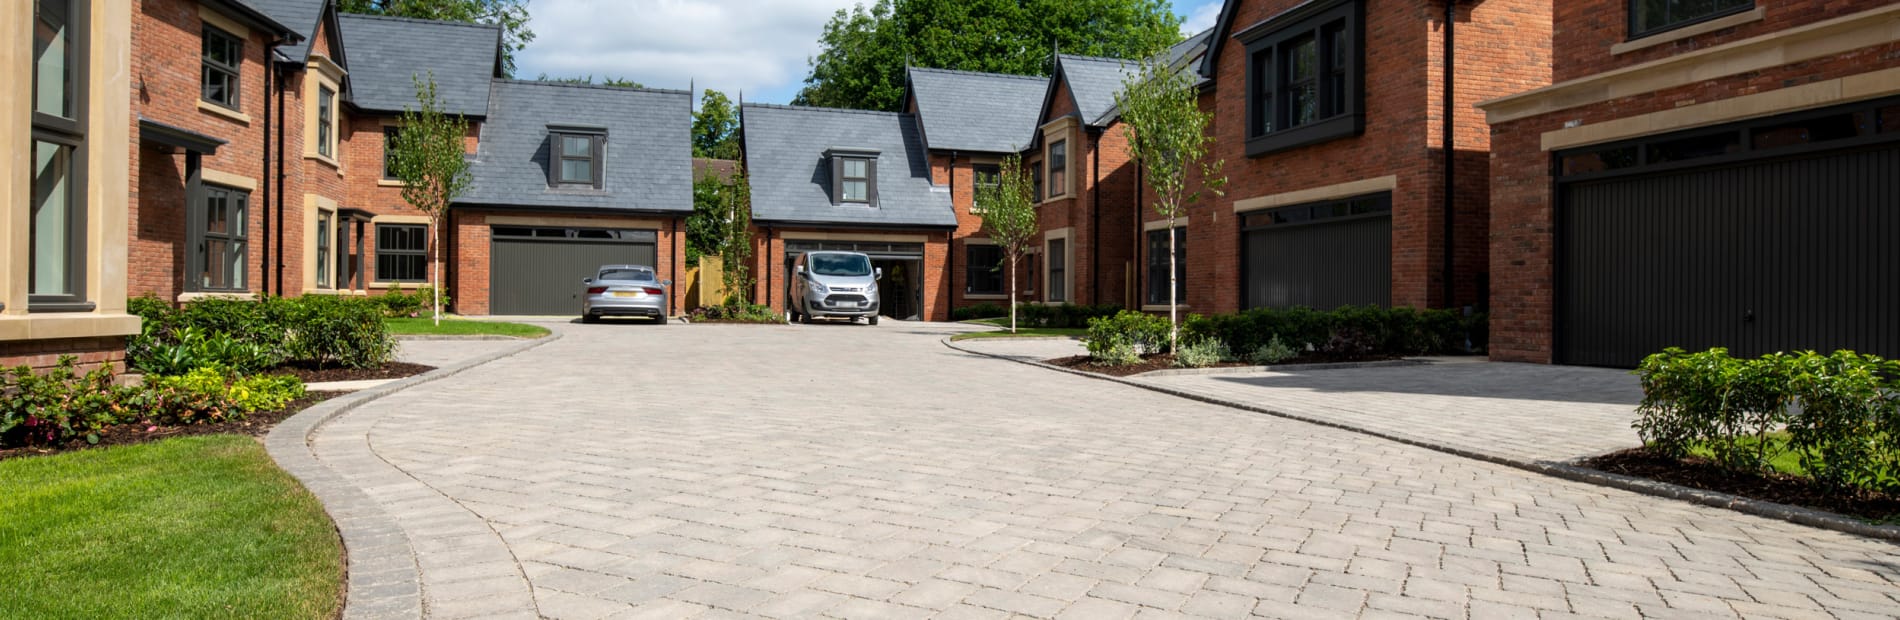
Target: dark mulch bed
311,373
1704,474
256,424
1162,361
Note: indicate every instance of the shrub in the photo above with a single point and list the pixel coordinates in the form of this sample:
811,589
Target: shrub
1273,352
1201,353
735,312
396,303
1123,338
213,394
1064,315
985,310
1349,330
343,331
1839,412
39,409
250,336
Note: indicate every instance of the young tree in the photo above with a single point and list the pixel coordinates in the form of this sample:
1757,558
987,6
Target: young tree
510,15
1167,133
737,247
428,157
1008,209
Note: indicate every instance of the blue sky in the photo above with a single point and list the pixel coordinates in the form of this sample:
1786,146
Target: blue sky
758,46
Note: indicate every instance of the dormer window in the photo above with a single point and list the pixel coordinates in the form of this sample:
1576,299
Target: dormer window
577,156
853,176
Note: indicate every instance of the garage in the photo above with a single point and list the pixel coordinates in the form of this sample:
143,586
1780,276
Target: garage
538,271
900,291
1319,255
1773,235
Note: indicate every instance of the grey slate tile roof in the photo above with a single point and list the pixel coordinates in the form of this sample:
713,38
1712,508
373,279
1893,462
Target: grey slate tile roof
386,53
649,151
791,179
968,111
1185,57
301,16
1094,82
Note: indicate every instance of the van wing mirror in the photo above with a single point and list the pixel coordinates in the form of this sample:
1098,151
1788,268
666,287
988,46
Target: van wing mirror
880,273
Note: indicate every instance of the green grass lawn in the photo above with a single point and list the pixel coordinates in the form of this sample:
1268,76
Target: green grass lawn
1781,458
1025,332
191,527
425,326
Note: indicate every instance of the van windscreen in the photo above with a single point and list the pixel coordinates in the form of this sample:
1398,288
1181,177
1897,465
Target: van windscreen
840,265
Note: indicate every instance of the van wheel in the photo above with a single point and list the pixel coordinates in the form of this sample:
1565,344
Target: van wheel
872,320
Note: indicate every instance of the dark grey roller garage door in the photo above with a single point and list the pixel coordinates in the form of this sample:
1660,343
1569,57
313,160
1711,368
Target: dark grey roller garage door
538,271
1780,254
1320,255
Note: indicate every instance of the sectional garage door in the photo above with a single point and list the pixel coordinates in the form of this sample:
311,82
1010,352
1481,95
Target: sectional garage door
1321,255
1757,254
538,271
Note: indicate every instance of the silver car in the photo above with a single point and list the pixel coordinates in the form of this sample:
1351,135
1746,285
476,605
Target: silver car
625,290
833,285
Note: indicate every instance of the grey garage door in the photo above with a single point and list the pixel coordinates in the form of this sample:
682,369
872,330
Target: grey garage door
1320,255
1780,254
538,271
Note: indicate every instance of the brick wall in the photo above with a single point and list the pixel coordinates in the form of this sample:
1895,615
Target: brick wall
1522,225
1586,29
91,353
1503,48
468,247
769,267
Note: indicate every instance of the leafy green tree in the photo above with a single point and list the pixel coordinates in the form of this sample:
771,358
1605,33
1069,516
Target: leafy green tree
511,15
1008,209
1168,134
716,127
589,79
863,52
706,230
428,157
736,274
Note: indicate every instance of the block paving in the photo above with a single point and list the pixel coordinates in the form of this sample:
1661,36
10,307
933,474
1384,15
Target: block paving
633,471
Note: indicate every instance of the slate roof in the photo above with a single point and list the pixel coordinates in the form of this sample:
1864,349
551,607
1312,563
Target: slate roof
1185,57
302,16
389,52
969,111
649,151
1094,82
791,179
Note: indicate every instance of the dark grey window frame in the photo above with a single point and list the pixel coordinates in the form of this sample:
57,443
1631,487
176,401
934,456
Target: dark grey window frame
389,143
1340,89
838,178
68,133
232,74
982,176
326,249
1035,181
596,157
237,211
1875,121
986,269
1637,31
1058,165
1155,293
1320,212
387,233
326,120
1058,265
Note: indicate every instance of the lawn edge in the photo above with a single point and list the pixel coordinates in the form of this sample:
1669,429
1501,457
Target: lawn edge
1565,470
360,522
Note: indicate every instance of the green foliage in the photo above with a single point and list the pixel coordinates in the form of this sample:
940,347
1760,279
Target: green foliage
1064,315
396,303
863,52
734,312
430,157
1839,412
510,15
616,82
60,405
707,231
1273,352
250,336
215,394
716,127
403,326
1201,353
1168,134
1123,338
983,310
1008,209
1346,331
736,273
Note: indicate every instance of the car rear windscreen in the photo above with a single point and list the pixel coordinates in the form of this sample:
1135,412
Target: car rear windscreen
636,275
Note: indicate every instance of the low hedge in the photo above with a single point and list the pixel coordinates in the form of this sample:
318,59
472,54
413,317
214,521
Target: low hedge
1840,412
62,404
249,336
1062,315
1348,330
985,310
398,304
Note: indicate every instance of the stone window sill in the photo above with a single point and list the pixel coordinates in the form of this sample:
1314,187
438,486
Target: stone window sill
1689,31
228,113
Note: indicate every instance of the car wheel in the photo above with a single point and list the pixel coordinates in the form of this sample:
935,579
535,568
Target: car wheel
872,320
588,318
659,320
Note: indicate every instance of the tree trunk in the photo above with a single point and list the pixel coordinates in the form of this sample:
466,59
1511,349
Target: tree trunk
435,267
1174,323
1012,291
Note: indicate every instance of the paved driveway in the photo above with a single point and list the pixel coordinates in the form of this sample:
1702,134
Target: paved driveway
795,471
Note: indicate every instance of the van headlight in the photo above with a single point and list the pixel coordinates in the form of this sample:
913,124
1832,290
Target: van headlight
818,287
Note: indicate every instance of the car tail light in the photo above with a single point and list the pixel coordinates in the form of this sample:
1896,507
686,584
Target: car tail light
596,290
654,291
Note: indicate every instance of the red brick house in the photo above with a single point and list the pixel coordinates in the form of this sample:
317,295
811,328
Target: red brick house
1349,180
1085,186
1700,174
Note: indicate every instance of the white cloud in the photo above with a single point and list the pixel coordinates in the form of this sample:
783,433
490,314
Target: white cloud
758,46
1201,17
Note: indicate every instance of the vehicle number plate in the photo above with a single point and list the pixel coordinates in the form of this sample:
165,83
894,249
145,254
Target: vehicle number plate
628,293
